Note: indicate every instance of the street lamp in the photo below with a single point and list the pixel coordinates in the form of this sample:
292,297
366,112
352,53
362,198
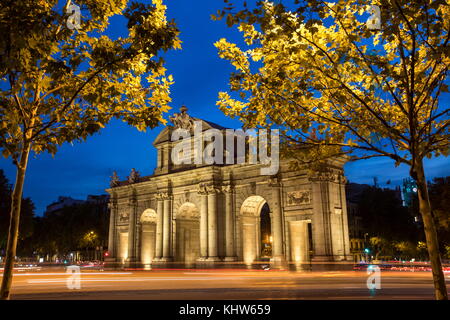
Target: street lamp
366,250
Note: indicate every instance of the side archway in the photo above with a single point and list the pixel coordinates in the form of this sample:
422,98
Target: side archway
255,228
148,236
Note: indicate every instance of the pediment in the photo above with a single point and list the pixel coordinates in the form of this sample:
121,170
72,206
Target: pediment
164,136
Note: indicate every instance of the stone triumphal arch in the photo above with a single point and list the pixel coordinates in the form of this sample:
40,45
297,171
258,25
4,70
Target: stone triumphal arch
204,213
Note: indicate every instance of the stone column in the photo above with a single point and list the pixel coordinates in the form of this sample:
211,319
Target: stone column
132,232
248,239
229,224
138,235
321,227
338,218
277,232
167,229
343,197
159,228
212,223
112,251
203,223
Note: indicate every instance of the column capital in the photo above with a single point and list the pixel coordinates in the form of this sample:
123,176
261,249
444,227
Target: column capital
163,196
227,188
208,188
202,189
212,189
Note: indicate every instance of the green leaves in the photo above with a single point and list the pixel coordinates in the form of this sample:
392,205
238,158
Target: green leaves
60,85
358,83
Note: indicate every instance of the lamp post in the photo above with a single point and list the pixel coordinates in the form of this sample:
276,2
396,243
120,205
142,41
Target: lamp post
365,247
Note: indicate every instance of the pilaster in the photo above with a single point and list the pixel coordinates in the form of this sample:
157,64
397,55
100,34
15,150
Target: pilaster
112,250
212,222
230,255
132,207
277,224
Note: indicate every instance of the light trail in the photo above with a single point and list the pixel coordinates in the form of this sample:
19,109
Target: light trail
140,279
69,273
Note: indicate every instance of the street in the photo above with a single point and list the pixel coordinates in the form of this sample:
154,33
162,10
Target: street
218,284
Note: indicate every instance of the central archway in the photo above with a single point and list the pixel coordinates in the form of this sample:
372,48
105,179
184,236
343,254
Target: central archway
187,235
256,229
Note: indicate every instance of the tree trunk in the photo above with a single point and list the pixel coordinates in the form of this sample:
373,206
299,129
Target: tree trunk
430,232
13,234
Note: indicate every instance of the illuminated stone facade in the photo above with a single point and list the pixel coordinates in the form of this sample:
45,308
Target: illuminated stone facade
208,213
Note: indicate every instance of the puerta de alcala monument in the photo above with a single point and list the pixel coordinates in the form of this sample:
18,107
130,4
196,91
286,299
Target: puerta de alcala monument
202,212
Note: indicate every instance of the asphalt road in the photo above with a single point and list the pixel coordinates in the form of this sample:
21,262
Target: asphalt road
219,284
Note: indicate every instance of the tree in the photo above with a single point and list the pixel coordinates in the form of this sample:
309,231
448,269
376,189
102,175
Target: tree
5,204
421,250
405,249
26,213
62,81
380,246
338,85
72,227
440,202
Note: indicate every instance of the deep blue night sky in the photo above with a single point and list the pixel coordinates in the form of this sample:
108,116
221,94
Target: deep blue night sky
199,74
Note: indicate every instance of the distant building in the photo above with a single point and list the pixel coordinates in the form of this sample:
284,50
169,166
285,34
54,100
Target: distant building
357,249
64,202
97,207
359,229
410,199
409,192
398,193
98,199
354,191
355,221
